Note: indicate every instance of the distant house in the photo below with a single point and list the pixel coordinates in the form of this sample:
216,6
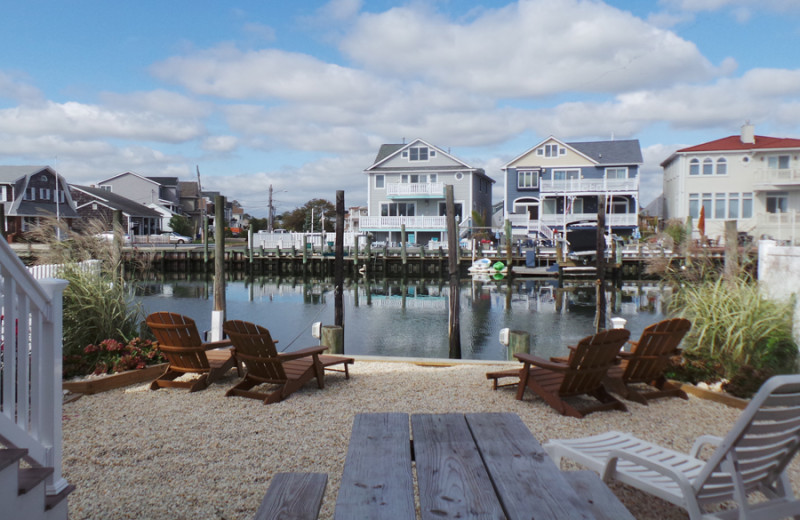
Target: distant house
100,204
406,187
145,190
750,179
31,193
556,184
192,203
352,219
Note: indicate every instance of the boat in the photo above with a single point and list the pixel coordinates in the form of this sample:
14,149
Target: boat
485,265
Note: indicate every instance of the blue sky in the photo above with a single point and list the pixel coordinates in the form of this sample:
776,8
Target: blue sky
300,95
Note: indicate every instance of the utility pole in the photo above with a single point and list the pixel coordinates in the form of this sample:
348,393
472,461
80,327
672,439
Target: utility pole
271,210
201,202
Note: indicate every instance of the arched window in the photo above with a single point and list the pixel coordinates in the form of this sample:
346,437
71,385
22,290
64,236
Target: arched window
694,167
708,166
722,166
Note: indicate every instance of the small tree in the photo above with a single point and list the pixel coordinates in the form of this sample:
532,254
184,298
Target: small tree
181,225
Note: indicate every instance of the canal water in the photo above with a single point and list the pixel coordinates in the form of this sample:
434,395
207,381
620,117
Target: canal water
393,319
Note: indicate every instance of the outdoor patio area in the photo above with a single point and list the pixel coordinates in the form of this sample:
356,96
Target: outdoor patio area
142,454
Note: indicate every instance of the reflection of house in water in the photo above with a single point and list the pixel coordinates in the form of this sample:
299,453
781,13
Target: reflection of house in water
407,296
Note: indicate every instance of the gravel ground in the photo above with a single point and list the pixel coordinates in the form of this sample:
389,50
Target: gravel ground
139,454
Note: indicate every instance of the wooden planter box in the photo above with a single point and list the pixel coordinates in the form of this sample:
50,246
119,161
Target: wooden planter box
112,381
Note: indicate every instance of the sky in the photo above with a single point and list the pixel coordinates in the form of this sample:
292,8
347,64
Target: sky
300,95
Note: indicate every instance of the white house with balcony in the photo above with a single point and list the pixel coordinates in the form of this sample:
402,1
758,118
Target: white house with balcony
407,188
556,184
751,179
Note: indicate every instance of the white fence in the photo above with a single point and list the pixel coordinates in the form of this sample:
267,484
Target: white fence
777,274
40,272
30,373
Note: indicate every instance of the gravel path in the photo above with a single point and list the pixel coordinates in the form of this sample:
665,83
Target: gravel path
139,454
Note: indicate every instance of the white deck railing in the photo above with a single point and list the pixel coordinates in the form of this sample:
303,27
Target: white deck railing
40,272
415,189
429,223
30,372
589,186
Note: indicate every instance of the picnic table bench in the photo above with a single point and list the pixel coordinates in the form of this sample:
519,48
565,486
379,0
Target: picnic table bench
483,465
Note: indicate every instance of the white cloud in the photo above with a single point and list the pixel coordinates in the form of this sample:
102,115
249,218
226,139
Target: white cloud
230,73
12,87
80,120
220,143
526,49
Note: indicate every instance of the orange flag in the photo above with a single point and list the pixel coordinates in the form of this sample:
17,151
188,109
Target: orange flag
701,222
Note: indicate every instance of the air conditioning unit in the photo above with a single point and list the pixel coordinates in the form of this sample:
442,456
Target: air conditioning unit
316,330
504,336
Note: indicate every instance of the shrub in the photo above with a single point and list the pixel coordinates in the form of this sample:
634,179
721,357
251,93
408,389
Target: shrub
746,336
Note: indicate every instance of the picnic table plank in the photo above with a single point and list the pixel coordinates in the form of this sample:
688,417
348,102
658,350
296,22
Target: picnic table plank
452,480
526,479
295,496
602,501
377,482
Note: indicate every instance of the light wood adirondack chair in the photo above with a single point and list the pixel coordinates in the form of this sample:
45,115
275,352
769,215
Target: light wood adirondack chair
752,458
254,347
581,374
179,341
647,361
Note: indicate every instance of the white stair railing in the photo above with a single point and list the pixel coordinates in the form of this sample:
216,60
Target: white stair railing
31,364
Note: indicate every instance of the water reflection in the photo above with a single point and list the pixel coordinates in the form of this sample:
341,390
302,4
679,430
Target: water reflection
409,319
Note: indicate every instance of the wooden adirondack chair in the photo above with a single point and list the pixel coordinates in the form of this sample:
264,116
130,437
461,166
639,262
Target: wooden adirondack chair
749,465
582,374
179,341
647,361
254,348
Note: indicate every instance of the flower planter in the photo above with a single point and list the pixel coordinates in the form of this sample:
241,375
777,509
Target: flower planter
719,397
112,381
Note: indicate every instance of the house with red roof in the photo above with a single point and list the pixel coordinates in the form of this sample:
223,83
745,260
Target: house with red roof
751,179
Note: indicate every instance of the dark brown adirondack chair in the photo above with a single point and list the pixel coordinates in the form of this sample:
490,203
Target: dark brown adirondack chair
582,374
254,348
179,341
647,361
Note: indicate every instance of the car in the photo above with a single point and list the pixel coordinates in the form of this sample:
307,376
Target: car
109,235
174,238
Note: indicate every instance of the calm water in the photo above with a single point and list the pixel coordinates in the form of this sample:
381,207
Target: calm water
391,319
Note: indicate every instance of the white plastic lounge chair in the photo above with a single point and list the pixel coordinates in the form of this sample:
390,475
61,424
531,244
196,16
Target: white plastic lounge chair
752,458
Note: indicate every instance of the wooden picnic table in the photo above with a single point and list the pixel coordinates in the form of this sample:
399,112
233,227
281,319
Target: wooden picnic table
481,465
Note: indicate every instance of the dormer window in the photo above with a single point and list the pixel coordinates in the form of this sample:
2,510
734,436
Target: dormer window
551,150
418,153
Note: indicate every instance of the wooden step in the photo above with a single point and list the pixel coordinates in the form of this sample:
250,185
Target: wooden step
11,456
52,501
29,478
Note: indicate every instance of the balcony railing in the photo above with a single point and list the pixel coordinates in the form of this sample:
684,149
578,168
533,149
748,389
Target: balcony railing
779,226
589,185
612,219
429,223
30,367
773,176
415,190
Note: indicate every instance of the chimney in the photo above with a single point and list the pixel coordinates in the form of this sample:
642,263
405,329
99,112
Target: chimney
748,133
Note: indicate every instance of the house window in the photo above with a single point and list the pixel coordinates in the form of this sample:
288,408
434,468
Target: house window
616,173
432,177
379,181
708,166
413,179
694,205
30,194
397,209
747,205
707,205
44,193
561,175
551,150
418,153
576,206
527,179
778,162
549,207
778,202
719,205
733,205
619,207
722,166
459,210
694,167
105,187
